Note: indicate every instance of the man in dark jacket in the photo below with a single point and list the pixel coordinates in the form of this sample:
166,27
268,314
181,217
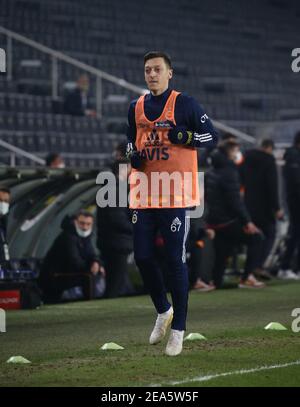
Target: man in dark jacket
292,186
115,239
4,208
260,180
77,100
72,260
228,216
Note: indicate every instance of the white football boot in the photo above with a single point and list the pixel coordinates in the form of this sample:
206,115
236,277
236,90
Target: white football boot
174,345
163,321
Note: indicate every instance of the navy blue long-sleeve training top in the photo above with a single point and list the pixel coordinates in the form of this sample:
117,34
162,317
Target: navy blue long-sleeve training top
188,113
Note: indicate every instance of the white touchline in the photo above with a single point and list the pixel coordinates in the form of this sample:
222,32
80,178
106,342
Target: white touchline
234,372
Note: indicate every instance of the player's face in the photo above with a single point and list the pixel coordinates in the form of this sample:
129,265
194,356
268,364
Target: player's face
157,75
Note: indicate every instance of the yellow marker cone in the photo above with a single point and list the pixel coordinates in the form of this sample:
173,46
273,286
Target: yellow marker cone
17,359
275,326
111,346
195,337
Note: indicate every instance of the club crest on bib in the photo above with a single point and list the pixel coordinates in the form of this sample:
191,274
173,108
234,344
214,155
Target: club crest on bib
153,140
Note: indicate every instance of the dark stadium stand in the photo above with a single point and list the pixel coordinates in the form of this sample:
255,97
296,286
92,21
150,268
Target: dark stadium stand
243,80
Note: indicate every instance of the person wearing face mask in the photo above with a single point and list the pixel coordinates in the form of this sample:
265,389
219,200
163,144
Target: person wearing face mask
4,208
239,156
229,217
55,160
72,261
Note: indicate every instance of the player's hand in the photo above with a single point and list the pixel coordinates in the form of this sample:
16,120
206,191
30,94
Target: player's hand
136,159
279,214
180,135
95,268
210,233
251,229
134,156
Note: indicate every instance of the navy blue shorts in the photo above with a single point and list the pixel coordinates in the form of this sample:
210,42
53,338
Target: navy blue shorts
173,225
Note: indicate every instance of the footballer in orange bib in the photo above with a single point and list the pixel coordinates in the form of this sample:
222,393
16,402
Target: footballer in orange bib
165,128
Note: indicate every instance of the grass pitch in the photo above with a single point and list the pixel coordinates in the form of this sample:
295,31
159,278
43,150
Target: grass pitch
63,342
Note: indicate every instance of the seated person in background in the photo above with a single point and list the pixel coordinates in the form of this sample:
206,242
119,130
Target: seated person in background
55,160
76,101
4,208
72,260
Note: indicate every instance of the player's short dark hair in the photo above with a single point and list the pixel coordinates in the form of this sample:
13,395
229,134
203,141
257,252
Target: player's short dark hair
267,143
51,157
5,190
297,139
228,145
84,213
158,54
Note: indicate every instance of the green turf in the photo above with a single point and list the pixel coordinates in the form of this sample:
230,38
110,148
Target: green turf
63,342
